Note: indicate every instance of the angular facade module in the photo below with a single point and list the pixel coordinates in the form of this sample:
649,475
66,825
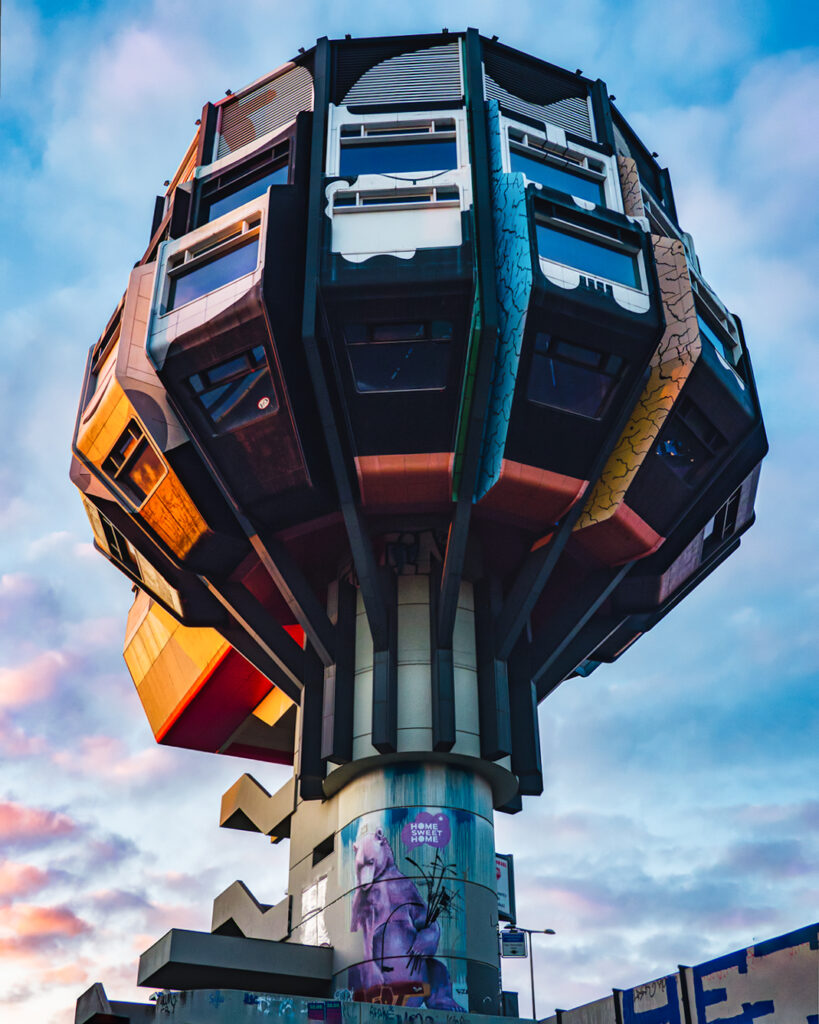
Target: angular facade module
416,405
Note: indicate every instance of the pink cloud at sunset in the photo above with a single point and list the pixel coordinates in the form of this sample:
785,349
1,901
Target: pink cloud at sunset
27,929
28,826
34,680
20,880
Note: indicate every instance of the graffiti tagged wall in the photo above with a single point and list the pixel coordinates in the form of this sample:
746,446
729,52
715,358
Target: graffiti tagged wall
773,982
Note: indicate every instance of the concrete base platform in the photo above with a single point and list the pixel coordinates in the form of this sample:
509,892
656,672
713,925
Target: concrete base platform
238,1007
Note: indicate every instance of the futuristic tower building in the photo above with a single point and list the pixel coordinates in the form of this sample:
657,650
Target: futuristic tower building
416,405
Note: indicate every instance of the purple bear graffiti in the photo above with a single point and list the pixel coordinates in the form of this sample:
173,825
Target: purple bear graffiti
400,929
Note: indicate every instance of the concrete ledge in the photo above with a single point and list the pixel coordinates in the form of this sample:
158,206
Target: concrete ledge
236,911
195,960
248,806
94,1007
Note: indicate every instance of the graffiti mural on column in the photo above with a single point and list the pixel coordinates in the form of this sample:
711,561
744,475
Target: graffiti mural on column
405,871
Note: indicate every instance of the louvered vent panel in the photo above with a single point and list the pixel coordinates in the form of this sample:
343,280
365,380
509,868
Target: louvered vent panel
264,110
426,76
571,114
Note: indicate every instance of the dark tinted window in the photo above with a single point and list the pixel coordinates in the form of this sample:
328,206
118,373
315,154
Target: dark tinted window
243,193
235,391
570,377
205,277
424,154
689,441
399,356
564,179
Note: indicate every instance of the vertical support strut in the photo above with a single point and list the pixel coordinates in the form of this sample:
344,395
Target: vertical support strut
385,674
442,671
339,678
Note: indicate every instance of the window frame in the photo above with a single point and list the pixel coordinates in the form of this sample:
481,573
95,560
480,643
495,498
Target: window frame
188,259
566,222
222,183
615,376
371,325
369,134
411,198
115,473
570,161
270,410
549,144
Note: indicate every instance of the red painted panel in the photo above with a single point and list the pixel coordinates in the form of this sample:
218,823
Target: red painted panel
223,696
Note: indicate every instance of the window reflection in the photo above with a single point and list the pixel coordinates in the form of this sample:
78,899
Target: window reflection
244,193
562,178
377,157
587,255
236,391
203,277
568,376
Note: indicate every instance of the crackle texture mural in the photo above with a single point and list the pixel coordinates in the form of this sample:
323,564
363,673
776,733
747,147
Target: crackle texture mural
513,274
679,349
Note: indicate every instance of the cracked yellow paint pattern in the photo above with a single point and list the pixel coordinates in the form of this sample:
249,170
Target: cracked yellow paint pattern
630,185
679,349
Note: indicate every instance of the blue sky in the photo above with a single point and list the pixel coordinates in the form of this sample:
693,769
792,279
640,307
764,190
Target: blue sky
680,817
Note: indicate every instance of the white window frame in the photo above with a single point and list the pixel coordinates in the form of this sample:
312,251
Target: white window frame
449,122
551,146
216,244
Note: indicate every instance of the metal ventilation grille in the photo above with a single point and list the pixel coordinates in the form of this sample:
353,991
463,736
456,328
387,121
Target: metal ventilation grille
426,76
571,114
264,110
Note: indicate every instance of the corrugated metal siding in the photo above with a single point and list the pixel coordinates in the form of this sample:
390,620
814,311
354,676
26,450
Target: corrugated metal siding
571,114
264,110
426,76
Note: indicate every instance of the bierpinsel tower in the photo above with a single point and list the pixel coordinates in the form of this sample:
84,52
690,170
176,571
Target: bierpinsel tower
416,406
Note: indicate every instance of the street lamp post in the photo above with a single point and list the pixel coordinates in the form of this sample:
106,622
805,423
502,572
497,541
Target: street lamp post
530,932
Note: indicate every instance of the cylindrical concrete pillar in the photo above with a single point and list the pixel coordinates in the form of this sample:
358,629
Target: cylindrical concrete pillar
395,868
417,907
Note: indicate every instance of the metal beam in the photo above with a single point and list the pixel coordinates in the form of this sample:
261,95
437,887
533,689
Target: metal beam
539,565
363,556
487,337
564,625
263,629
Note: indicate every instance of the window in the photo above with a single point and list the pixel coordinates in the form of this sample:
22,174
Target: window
690,441
119,548
572,173
373,149
588,250
399,356
721,525
205,268
395,199
133,464
232,188
723,346
568,376
236,391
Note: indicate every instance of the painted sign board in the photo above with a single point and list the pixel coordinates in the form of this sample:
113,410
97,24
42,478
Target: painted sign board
513,942
505,880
